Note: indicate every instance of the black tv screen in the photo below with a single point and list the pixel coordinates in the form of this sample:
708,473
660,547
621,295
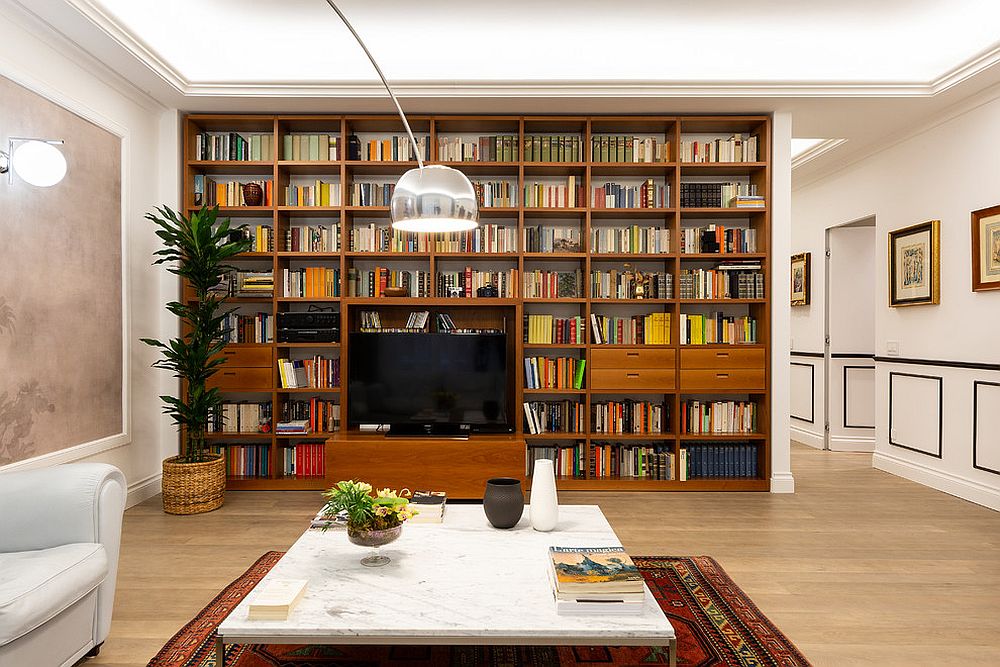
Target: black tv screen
406,379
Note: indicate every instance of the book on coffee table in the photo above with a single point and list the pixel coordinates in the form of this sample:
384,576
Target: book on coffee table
275,599
429,505
595,580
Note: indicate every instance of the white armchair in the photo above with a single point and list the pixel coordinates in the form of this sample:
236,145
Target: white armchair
60,530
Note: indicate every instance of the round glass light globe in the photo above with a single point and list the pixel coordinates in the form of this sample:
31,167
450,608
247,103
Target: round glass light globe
39,163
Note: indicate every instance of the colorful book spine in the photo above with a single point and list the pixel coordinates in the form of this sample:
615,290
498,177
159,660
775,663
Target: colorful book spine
554,372
629,416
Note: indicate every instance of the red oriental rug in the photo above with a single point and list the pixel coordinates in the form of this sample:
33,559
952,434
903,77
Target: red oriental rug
716,624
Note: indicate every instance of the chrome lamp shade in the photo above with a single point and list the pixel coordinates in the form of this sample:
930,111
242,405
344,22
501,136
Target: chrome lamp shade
434,199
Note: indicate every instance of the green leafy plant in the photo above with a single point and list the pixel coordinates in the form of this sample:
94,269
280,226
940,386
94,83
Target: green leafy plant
386,509
197,249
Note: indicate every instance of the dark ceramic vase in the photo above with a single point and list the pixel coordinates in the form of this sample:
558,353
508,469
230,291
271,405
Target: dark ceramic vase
253,194
503,501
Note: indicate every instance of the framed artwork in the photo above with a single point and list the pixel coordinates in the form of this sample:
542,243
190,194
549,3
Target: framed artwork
915,265
801,279
986,249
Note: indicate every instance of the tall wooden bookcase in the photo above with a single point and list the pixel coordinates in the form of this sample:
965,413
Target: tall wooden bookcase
670,373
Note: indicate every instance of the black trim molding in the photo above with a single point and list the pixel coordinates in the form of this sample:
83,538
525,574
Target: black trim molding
846,355
812,394
846,425
818,355
975,423
972,365
940,382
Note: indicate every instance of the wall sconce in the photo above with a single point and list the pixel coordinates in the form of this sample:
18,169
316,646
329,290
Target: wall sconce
37,161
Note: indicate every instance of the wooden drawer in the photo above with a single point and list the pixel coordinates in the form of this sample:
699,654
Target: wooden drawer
632,358
242,378
247,357
631,378
716,358
722,378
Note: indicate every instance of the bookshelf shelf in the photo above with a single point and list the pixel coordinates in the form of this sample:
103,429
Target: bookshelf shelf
508,313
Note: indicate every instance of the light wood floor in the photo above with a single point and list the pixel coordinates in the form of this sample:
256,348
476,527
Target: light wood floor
858,567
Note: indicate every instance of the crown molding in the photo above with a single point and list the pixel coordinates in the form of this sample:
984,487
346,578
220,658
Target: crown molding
815,151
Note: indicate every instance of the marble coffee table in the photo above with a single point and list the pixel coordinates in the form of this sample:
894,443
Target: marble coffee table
458,582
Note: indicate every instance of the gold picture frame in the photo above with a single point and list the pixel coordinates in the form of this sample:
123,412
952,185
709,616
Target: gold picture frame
801,283
986,249
915,265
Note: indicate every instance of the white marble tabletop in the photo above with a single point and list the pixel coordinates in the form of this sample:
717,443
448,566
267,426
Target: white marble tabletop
461,581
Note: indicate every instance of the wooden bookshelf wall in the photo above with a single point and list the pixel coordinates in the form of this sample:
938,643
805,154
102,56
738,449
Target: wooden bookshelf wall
700,371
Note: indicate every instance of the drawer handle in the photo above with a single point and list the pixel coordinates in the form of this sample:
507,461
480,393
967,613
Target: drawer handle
631,375
631,354
229,352
722,354
722,376
229,372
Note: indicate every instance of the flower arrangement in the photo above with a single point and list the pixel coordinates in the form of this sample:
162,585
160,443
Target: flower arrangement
386,509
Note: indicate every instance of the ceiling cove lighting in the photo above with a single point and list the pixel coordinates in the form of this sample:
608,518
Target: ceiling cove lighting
36,161
430,199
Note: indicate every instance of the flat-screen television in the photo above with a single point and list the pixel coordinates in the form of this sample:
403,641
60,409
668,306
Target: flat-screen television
428,383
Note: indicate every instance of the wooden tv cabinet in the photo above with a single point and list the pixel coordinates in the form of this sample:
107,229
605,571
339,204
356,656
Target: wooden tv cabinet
459,467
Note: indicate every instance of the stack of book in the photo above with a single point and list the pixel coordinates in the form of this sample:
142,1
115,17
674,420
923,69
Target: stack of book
293,427
254,284
429,506
595,580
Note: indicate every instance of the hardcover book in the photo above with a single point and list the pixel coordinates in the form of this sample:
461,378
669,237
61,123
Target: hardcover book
594,571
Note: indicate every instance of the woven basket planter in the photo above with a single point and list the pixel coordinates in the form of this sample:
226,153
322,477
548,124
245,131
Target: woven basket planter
193,488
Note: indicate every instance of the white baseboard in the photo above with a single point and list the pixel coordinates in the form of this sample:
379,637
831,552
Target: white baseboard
142,490
850,443
782,482
802,436
956,485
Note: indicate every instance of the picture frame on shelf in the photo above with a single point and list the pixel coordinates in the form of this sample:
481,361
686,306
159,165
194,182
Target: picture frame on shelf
801,284
986,249
915,265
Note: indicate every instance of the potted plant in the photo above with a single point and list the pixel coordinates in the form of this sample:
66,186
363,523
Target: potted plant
372,521
198,249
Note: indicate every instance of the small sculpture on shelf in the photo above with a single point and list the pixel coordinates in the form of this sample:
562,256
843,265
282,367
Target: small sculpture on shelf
253,194
638,281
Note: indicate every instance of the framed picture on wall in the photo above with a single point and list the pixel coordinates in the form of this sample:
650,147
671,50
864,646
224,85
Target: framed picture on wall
915,265
801,279
986,249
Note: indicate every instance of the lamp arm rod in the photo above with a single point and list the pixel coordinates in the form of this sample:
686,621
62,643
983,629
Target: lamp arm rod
406,124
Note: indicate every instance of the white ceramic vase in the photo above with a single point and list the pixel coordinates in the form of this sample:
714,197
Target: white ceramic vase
544,507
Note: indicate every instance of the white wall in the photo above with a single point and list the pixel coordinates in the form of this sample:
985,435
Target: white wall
943,172
34,56
781,222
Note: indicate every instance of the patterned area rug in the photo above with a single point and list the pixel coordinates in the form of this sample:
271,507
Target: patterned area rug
716,623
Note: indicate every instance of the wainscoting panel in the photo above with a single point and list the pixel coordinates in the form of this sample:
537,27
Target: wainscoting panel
986,426
916,412
803,389
859,397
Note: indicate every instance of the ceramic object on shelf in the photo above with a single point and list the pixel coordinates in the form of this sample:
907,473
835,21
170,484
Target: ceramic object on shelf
544,506
503,501
253,194
394,291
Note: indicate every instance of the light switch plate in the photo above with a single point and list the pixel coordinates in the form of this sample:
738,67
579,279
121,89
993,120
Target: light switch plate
892,348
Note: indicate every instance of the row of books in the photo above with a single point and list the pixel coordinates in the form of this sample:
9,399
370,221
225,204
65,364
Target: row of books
629,416
553,148
255,328
304,459
395,148
616,284
726,281
716,329
555,195
374,282
726,460
554,372
491,148
548,329
567,461
551,239
305,147
718,417
372,238
487,238
631,461
554,416
318,372
262,237
651,329
233,147
492,194
311,281
312,238
633,239
465,283
240,417
718,239
318,193
245,460
553,284
208,192
321,415
714,195
737,148
371,194
625,148
648,194
252,284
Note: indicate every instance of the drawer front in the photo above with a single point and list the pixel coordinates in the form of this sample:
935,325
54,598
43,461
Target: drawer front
242,378
716,358
247,357
722,378
631,378
632,358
